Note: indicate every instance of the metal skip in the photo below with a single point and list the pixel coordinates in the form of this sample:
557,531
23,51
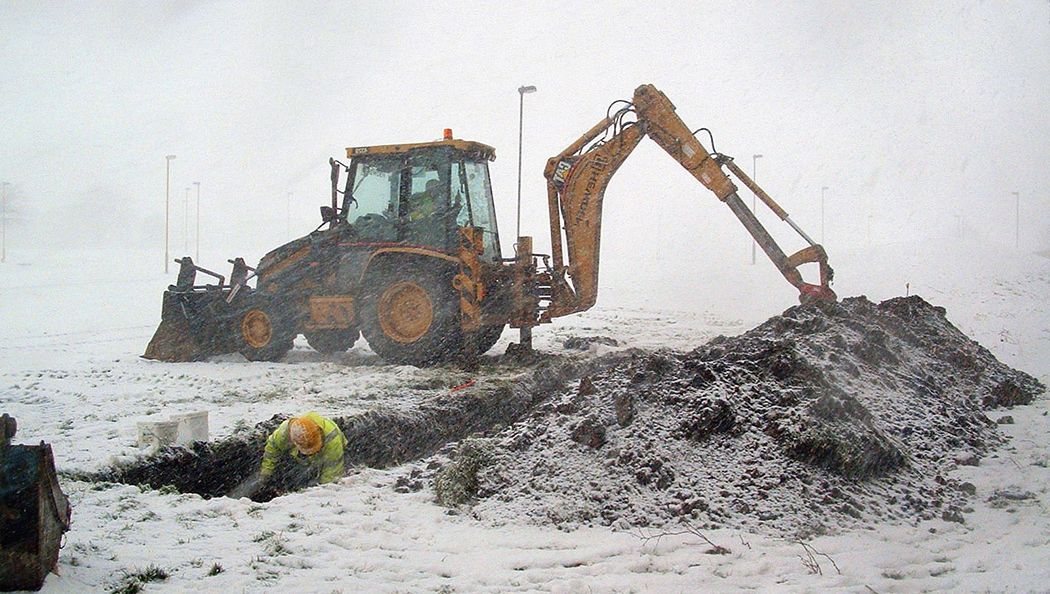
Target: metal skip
34,512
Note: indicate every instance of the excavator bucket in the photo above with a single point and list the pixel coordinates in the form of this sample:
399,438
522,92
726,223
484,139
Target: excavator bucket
193,325
33,512
173,340
194,320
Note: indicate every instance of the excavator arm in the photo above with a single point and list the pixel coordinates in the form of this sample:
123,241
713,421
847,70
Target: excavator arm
578,176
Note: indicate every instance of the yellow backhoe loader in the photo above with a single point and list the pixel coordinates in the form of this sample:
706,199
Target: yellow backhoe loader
410,257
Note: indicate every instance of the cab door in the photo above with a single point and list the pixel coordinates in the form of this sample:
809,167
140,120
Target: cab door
472,190
426,216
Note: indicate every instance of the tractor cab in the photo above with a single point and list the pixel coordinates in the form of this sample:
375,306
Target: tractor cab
419,195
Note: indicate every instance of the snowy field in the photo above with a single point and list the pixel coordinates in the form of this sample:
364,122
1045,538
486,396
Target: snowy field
71,327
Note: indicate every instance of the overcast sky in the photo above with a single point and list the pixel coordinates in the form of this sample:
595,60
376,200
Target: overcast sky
921,118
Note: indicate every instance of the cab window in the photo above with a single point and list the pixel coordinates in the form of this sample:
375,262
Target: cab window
373,202
472,190
426,215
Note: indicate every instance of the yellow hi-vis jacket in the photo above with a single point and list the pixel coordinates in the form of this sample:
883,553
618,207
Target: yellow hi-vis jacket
327,462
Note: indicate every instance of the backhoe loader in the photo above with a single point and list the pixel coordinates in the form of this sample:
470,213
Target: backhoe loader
410,257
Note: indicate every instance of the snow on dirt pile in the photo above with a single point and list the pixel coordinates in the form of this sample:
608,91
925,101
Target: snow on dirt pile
829,415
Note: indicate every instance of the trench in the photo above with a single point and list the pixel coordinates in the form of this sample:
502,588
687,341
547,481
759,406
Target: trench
377,438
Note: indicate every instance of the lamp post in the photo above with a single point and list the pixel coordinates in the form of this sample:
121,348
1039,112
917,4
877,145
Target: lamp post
197,233
754,203
3,223
167,207
1017,227
186,220
521,128
823,189
525,332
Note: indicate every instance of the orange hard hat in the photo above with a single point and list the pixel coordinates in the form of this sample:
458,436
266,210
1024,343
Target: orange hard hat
305,433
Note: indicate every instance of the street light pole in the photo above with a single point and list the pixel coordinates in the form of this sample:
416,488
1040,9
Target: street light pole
522,251
754,203
1017,228
167,207
186,220
3,223
521,129
197,233
822,190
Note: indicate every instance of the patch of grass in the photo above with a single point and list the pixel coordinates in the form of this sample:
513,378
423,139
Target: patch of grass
126,503
216,569
133,580
127,588
273,542
151,573
272,394
264,535
457,482
276,546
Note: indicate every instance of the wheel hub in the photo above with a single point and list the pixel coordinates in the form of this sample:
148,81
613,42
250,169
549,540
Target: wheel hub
405,312
256,329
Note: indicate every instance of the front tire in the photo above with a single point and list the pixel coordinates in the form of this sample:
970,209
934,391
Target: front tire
265,334
410,315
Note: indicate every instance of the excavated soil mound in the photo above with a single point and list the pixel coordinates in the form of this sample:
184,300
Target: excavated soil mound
828,415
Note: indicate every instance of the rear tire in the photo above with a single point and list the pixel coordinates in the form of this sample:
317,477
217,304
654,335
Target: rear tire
332,341
410,315
264,333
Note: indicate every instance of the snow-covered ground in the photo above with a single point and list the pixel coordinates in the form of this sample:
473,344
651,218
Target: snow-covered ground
71,328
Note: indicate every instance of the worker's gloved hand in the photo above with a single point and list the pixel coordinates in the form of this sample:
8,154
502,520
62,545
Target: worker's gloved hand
249,487
264,481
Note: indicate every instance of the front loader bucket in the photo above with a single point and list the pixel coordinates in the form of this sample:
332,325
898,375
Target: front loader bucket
192,326
173,341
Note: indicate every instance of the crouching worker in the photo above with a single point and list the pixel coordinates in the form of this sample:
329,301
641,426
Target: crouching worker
303,451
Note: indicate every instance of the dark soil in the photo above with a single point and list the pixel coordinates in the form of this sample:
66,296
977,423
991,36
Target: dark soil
827,415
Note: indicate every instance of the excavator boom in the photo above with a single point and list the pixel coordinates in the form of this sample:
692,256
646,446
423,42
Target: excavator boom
578,176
